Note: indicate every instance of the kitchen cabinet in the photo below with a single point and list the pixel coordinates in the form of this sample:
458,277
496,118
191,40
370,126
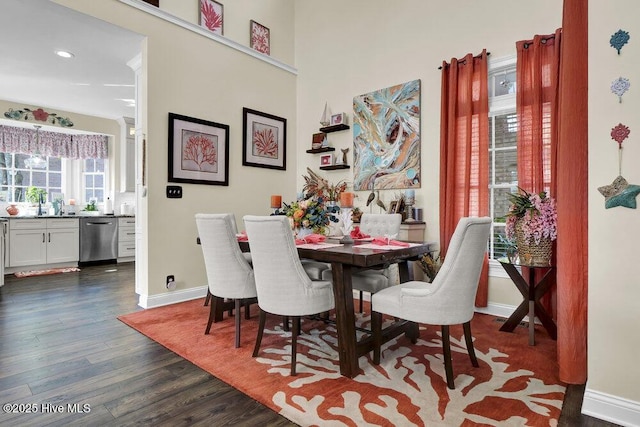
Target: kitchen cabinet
38,241
126,239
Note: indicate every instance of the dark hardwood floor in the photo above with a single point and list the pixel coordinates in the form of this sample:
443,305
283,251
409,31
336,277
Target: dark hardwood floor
61,344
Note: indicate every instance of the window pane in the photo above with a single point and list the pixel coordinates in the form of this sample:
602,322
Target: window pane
501,245
99,165
506,167
39,179
506,130
55,164
501,202
505,83
98,181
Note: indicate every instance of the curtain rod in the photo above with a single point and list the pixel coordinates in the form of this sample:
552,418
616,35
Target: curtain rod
477,56
543,41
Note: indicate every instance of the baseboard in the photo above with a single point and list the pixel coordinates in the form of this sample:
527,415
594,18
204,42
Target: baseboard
611,408
172,297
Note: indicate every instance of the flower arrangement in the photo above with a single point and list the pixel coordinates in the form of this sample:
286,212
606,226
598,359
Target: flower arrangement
539,214
309,214
317,186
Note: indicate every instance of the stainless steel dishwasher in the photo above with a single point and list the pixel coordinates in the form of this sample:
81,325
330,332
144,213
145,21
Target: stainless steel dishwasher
98,238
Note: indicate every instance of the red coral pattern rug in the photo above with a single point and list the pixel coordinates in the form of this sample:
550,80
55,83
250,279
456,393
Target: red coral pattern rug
515,385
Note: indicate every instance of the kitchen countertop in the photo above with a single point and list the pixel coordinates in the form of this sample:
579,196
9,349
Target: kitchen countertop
65,216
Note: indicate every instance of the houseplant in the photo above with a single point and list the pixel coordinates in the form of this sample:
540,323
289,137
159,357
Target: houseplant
36,195
532,221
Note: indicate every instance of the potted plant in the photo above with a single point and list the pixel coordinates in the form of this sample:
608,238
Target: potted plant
36,195
532,221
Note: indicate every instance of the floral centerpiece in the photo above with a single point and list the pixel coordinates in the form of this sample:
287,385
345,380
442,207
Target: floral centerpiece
532,221
310,215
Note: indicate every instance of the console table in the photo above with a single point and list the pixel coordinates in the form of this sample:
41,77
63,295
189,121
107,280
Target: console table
531,292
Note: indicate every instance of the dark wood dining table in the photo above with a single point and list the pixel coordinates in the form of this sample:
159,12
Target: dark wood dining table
344,261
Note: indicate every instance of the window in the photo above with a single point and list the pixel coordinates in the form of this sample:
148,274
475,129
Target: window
93,180
55,176
503,161
16,177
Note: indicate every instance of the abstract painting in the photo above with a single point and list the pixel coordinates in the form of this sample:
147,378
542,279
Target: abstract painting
211,16
198,151
386,138
265,140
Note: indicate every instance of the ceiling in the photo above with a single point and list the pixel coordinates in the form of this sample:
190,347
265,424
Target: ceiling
96,81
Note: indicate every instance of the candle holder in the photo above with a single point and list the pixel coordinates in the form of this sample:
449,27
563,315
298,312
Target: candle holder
347,224
408,204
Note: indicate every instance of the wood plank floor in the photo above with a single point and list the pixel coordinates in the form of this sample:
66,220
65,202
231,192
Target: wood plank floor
62,344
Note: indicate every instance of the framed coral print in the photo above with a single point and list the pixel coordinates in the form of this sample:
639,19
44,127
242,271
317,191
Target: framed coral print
198,151
211,16
265,140
326,160
260,38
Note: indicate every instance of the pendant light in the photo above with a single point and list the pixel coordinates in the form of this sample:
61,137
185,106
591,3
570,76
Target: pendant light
36,161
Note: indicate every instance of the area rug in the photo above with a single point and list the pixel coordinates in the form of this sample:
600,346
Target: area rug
45,272
515,385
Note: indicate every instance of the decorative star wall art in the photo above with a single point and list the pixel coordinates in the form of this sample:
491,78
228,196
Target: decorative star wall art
619,39
620,192
619,86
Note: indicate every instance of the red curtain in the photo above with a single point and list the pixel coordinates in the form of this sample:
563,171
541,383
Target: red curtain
464,150
538,69
572,195
552,156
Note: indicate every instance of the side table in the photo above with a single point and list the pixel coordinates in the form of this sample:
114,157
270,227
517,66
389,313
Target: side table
531,292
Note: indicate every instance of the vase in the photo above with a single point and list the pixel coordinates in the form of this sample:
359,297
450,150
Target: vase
530,252
12,210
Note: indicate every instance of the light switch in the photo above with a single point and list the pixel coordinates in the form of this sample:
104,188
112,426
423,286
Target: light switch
174,191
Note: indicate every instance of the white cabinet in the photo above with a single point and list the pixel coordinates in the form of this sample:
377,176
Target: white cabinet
126,238
43,241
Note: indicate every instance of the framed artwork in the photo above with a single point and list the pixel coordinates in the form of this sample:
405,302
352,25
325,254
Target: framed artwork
318,140
265,140
386,138
326,160
211,16
338,119
198,151
260,38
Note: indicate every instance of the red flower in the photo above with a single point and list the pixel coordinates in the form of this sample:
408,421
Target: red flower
619,134
40,115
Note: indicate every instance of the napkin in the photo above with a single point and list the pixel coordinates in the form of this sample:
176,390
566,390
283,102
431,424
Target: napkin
311,238
357,234
242,237
384,241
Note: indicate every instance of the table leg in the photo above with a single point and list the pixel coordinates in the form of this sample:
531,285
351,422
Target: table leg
345,319
532,329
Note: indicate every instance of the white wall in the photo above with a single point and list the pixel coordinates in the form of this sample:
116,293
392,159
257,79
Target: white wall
614,271
189,74
345,49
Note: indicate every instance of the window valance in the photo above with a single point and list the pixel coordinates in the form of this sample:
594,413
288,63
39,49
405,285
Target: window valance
54,144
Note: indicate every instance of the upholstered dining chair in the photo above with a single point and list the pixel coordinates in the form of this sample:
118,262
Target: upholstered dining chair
284,288
373,281
448,300
229,273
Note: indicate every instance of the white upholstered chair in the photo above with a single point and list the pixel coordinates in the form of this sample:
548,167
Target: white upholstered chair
229,273
283,286
373,281
448,300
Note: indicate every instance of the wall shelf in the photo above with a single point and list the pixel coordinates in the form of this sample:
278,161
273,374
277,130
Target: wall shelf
321,150
334,128
334,167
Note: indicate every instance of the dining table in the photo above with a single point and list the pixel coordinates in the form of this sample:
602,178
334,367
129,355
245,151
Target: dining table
345,259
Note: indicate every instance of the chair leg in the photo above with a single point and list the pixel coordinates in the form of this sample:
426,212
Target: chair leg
446,348
238,302
294,342
469,340
212,315
361,295
376,330
207,298
262,321
247,309
285,323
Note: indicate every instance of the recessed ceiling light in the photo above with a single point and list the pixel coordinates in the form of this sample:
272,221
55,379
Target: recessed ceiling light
64,54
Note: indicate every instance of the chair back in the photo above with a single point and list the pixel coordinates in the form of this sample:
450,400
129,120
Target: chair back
228,272
457,281
283,286
380,224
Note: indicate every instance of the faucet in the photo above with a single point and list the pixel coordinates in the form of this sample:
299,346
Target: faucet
40,202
